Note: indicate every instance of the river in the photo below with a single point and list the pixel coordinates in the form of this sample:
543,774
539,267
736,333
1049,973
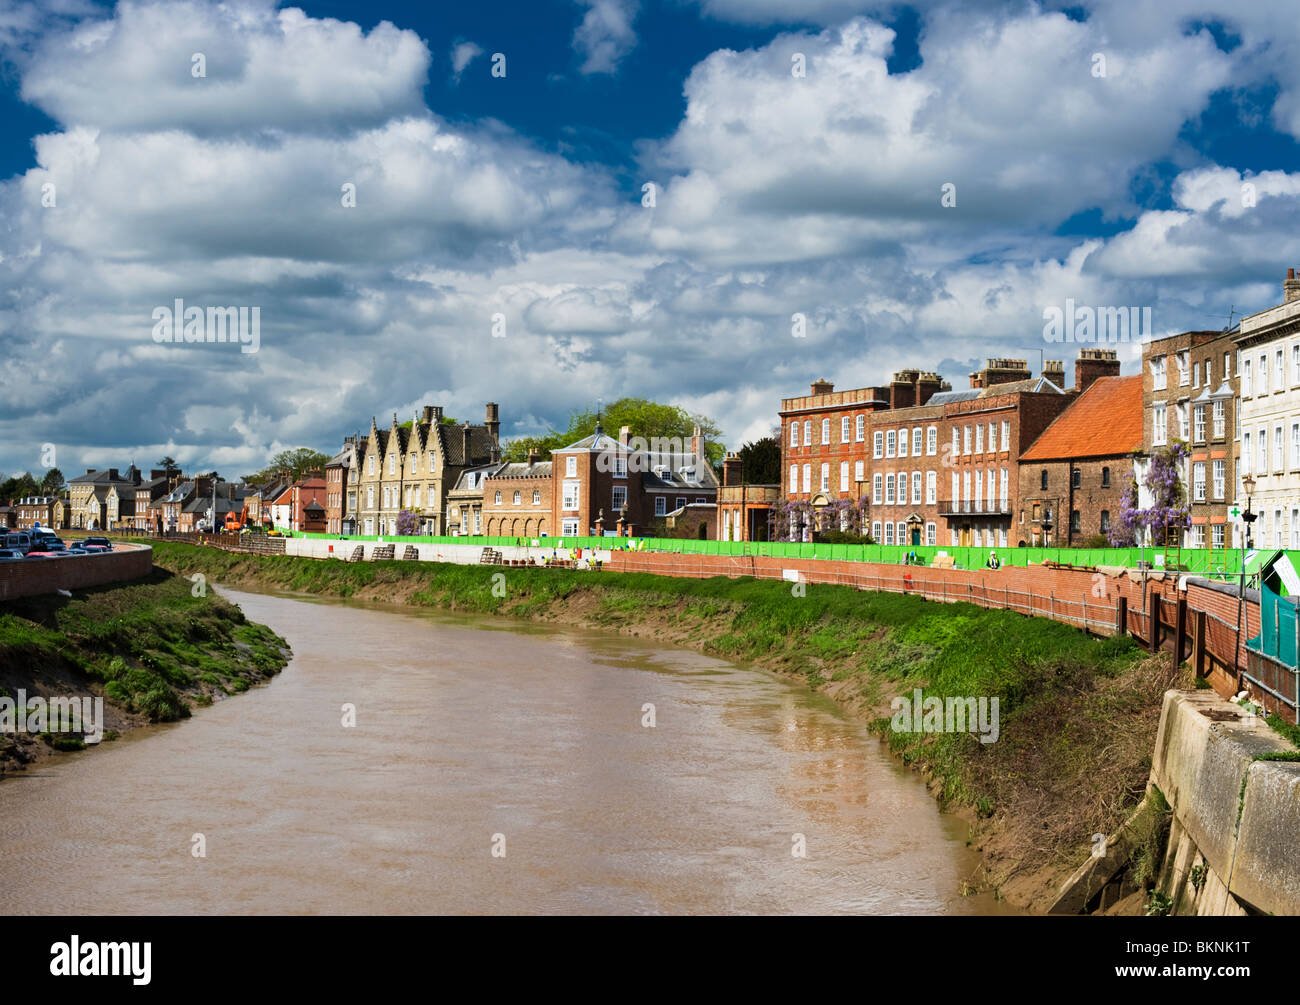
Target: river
476,735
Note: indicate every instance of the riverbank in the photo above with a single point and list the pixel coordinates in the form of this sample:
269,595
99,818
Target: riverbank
150,648
1078,715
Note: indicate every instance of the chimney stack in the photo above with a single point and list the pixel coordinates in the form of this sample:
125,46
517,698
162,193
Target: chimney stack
534,456
437,413
493,422
902,389
1094,363
928,384
822,386
1000,371
697,447
464,432
426,413
1054,370
1290,288
623,433
733,469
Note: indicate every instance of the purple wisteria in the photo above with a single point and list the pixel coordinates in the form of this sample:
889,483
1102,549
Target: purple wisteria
1169,510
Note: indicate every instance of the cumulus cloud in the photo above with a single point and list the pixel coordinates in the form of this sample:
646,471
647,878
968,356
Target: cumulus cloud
262,69
818,195
605,35
849,156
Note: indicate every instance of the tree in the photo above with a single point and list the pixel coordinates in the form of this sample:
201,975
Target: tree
52,483
761,461
292,464
169,465
645,418
19,486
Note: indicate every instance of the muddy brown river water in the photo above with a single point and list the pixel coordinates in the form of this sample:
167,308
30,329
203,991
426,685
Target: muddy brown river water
473,735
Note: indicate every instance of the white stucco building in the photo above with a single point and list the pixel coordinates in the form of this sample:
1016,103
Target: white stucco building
1268,367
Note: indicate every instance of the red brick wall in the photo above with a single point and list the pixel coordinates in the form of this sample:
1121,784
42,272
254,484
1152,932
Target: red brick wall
38,576
1082,597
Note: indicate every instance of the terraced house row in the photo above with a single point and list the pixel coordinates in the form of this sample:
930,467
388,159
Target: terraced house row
449,479
1016,459
935,465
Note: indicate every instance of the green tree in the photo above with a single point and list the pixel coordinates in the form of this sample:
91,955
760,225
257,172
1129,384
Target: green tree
646,418
761,461
169,465
52,483
292,464
19,486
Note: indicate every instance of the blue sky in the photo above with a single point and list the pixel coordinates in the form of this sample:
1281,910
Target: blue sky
1169,179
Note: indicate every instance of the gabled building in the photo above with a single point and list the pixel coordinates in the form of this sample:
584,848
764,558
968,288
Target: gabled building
89,498
1073,476
465,503
414,465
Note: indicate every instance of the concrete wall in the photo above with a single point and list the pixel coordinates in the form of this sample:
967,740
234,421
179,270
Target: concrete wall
34,577
1234,815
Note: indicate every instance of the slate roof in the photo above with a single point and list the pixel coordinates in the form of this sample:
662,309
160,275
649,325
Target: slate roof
521,469
1104,421
1038,384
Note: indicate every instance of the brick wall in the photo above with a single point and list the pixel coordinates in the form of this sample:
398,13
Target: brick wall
38,576
1084,597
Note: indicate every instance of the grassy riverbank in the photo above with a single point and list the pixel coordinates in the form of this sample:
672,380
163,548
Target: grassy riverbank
150,648
1078,715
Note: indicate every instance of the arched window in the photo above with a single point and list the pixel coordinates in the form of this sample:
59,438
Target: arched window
537,496
1043,481
1105,478
497,499
517,499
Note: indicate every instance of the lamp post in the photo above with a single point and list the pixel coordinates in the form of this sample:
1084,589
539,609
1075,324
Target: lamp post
1248,484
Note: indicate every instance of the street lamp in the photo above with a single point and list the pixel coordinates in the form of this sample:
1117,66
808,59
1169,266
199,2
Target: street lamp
1248,484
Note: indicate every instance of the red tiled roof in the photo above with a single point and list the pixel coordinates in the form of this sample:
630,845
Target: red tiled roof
1103,421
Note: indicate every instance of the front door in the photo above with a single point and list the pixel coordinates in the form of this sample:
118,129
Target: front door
916,535
963,536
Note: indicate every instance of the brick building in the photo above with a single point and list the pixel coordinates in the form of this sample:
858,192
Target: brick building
826,441
745,511
518,499
1074,474
601,485
148,494
32,510
1189,393
936,466
340,495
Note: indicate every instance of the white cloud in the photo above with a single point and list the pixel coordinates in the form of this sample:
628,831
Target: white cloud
605,35
462,54
265,69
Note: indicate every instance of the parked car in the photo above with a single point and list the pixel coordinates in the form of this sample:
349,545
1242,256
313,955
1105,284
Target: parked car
52,544
21,541
98,542
42,554
10,555
92,549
